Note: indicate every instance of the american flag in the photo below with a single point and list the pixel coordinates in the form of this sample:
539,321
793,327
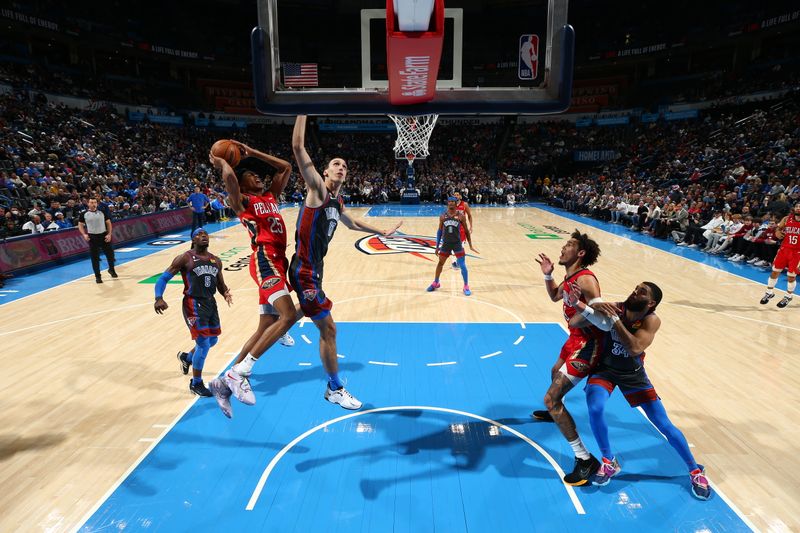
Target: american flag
300,75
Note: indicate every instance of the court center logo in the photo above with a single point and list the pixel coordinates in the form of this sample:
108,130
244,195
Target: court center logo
416,245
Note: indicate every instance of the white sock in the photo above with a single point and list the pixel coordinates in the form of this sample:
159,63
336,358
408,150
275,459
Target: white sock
771,283
790,288
245,366
580,450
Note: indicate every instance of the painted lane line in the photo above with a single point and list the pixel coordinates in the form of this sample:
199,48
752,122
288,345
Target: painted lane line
305,339
125,250
559,472
303,364
488,355
442,364
520,366
382,363
519,340
8,290
340,356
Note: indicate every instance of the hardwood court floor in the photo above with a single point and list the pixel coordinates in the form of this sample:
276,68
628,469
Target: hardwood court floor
91,380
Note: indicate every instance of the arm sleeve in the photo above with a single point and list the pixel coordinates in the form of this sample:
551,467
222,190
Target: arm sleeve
599,320
161,284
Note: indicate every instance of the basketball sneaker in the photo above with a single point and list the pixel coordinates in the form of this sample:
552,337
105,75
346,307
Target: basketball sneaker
700,486
200,389
455,265
767,297
544,416
435,285
113,273
286,340
222,394
584,469
784,302
183,361
343,398
240,387
608,469
467,292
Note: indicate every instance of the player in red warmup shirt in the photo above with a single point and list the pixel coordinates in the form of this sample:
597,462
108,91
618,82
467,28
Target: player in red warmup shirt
788,257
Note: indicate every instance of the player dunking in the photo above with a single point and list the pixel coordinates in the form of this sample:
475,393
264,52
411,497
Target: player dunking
579,354
788,257
462,207
448,241
631,327
257,208
202,277
316,223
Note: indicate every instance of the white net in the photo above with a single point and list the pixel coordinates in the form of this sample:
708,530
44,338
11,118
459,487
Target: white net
413,134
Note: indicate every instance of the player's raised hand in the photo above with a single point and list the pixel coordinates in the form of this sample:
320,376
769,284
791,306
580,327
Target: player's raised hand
160,306
228,297
218,162
246,150
546,264
572,294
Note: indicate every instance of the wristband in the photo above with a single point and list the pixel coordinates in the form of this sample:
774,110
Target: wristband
548,277
594,301
587,312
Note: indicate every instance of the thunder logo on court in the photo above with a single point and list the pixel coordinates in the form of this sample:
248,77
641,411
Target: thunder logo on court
416,245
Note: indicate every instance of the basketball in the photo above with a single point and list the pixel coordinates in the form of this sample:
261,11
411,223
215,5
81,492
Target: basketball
228,151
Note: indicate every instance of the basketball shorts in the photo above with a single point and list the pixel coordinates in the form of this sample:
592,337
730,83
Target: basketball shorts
635,386
201,317
307,283
454,248
580,355
787,259
268,270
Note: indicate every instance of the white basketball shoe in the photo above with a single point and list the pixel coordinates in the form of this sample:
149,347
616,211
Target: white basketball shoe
343,398
240,387
222,394
286,340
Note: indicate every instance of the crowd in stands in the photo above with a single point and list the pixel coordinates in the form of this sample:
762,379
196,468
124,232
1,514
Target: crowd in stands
720,184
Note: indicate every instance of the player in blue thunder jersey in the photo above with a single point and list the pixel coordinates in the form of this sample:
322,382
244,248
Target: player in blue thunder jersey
452,225
317,221
202,277
630,328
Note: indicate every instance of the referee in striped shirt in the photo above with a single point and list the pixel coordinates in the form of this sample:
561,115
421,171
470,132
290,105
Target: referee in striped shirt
95,226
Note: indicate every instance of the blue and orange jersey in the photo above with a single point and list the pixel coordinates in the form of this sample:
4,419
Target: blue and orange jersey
615,355
200,275
315,229
264,222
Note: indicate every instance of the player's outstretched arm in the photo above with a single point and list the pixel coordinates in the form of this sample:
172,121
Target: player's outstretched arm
314,182
358,224
177,264
282,167
231,183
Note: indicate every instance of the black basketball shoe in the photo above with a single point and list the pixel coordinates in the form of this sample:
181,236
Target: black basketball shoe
199,389
183,359
583,471
543,416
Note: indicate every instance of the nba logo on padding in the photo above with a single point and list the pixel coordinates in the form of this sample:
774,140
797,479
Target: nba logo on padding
528,56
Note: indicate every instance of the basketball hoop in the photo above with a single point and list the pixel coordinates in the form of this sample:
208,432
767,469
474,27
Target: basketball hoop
413,134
